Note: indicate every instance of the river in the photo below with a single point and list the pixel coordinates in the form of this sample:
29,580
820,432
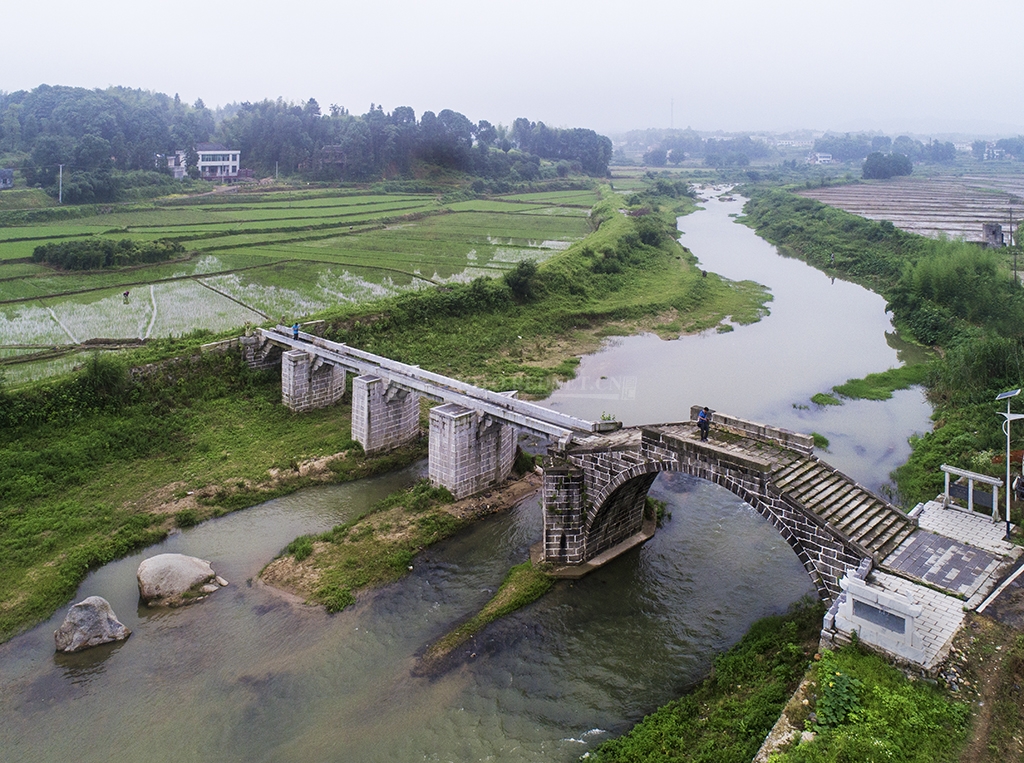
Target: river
250,676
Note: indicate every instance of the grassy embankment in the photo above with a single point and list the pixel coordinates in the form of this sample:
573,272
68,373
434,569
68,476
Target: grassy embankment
98,465
945,294
857,707
725,718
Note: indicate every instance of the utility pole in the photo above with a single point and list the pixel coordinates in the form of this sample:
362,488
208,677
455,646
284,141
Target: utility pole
1015,282
60,184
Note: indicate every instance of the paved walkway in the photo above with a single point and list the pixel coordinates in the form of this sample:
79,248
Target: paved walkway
960,552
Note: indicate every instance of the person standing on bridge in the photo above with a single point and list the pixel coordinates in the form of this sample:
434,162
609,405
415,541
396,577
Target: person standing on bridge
295,331
704,423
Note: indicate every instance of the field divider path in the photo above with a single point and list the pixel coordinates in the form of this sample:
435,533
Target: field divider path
228,296
152,318
58,321
139,284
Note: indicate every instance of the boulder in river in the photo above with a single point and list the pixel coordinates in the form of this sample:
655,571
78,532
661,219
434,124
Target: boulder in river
90,622
175,579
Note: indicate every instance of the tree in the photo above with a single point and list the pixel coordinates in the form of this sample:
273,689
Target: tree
943,153
192,162
879,166
656,157
522,280
907,146
881,143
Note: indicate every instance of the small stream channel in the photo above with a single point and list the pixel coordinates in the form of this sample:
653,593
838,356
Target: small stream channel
250,676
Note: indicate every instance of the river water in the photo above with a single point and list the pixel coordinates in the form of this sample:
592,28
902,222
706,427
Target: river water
248,675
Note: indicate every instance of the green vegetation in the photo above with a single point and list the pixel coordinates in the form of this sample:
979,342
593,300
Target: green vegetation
108,139
942,292
867,710
375,548
726,718
879,166
93,467
656,510
820,441
880,386
821,398
523,585
93,254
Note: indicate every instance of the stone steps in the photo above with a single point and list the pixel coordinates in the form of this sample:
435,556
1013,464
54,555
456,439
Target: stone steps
849,508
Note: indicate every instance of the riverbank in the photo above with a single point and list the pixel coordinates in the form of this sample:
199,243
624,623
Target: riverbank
107,461
945,294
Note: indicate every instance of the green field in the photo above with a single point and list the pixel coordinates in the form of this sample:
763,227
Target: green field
265,256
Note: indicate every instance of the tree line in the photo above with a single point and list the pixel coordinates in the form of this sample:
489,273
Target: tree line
93,253
662,147
110,141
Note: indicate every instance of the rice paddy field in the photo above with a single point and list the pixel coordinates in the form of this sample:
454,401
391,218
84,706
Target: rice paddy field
954,206
261,257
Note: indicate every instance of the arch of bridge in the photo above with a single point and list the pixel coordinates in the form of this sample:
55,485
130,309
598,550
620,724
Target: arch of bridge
823,556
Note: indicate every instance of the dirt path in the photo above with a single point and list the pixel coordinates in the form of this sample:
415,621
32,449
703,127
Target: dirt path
986,667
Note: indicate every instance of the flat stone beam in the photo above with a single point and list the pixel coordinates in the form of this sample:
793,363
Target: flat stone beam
307,382
384,415
521,413
469,452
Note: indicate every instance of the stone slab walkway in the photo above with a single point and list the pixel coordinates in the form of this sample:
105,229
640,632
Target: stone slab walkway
955,567
965,526
956,550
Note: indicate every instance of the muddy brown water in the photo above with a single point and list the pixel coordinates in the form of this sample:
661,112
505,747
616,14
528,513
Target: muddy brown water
248,675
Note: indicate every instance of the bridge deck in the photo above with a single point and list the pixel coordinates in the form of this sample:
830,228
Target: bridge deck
521,413
853,510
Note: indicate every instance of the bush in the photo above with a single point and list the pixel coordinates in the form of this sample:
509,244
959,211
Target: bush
186,518
301,548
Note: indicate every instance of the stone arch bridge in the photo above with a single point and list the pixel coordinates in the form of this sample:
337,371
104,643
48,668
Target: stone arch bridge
596,474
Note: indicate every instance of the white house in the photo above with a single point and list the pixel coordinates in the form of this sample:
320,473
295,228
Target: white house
216,162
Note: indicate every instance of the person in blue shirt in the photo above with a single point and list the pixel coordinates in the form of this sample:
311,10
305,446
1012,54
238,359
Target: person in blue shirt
295,330
704,423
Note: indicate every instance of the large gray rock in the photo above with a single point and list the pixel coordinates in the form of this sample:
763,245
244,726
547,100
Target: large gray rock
90,622
173,579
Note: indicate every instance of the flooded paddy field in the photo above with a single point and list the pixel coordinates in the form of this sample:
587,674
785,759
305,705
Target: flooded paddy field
955,206
261,258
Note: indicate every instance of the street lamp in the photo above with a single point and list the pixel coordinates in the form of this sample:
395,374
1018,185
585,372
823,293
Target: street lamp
1006,428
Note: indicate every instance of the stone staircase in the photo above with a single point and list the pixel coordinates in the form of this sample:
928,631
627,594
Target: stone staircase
856,512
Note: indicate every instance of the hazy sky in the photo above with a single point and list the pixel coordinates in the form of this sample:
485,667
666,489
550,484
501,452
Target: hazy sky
922,66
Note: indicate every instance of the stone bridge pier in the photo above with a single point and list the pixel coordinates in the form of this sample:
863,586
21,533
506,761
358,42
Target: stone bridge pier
385,415
469,451
472,441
